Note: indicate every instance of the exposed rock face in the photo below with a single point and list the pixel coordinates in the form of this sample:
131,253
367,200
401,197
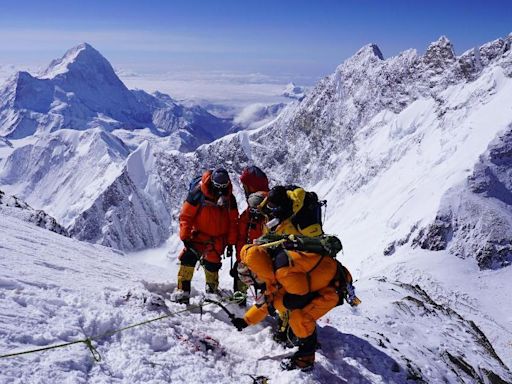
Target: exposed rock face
475,219
12,206
131,213
122,217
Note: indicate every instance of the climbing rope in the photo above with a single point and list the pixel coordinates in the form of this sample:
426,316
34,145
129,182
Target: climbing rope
88,341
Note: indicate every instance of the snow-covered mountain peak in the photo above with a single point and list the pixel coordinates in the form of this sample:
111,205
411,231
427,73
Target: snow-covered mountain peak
83,58
440,52
369,52
367,59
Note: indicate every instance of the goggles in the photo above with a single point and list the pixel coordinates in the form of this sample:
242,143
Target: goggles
272,211
255,211
220,185
245,275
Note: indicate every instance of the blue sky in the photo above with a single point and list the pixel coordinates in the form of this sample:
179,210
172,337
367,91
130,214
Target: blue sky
280,37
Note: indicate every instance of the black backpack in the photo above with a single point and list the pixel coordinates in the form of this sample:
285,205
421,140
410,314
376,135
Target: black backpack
310,213
195,196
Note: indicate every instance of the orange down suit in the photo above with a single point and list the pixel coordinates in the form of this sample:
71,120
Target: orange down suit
208,226
287,279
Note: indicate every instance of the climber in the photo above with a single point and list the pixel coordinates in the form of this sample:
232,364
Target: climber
300,283
251,222
293,211
290,210
208,226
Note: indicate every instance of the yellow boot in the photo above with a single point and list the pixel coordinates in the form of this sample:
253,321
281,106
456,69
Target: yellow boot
212,281
182,293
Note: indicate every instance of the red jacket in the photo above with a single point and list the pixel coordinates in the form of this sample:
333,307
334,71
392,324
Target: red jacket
248,230
208,225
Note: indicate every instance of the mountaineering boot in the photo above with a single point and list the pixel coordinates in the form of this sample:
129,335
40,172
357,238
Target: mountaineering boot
304,358
212,281
304,363
180,296
182,292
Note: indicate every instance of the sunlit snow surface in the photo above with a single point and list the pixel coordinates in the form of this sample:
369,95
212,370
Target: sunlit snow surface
55,290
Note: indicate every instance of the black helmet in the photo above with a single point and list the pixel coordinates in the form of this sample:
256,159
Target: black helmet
220,181
279,205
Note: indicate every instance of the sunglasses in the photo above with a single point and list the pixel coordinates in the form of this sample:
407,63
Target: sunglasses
272,211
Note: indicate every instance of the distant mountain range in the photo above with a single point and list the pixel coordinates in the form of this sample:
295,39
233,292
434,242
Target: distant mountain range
81,91
431,116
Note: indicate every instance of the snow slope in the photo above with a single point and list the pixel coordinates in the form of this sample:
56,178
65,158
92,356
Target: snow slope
68,290
98,188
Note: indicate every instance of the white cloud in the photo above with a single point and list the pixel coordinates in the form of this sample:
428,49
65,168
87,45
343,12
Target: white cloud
232,88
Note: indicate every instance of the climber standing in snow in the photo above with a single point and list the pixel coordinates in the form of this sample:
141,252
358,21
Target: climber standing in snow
208,226
251,222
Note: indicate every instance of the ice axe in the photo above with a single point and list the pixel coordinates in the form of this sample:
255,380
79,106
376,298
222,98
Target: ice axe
222,306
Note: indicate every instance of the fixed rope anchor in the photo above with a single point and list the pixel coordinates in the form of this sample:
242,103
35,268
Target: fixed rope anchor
94,352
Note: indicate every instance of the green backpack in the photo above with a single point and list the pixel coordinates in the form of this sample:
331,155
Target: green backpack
328,245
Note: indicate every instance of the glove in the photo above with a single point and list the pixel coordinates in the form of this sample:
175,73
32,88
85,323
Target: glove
239,323
229,250
352,299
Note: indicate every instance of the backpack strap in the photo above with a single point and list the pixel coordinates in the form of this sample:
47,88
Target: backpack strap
308,273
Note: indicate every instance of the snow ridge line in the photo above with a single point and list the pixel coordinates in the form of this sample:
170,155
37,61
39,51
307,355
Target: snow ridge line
88,341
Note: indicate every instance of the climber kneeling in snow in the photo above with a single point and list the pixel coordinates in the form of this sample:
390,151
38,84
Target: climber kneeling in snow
305,283
291,211
208,224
